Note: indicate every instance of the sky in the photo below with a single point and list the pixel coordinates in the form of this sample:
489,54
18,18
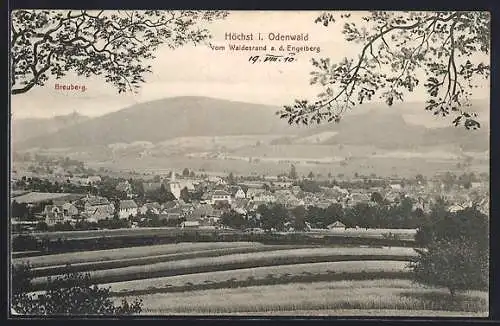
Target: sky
202,71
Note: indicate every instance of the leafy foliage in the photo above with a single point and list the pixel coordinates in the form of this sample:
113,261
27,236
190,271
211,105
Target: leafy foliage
299,214
160,195
233,219
377,197
112,44
184,195
455,253
72,293
273,216
396,47
309,186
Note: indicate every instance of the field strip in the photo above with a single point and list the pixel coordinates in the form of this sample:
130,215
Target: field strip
262,275
118,263
126,253
383,294
247,260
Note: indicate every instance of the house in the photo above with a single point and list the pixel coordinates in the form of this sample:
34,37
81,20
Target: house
221,196
239,203
173,218
396,186
240,211
201,211
69,210
172,214
90,203
100,212
127,208
216,180
60,212
252,192
271,178
151,207
266,197
360,197
237,193
475,185
76,180
53,215
336,225
190,224
282,185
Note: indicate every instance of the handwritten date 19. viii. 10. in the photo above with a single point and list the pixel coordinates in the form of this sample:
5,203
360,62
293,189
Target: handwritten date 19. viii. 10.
272,58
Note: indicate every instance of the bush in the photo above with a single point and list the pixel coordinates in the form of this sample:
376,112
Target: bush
72,293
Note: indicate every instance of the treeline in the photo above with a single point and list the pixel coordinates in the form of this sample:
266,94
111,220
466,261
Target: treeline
401,215
43,185
140,220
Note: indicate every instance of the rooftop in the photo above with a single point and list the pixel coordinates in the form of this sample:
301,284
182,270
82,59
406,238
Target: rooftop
125,204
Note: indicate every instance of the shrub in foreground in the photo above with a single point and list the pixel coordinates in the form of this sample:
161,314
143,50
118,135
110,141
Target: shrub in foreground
71,293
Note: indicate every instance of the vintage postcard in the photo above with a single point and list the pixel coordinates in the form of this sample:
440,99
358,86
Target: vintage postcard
249,163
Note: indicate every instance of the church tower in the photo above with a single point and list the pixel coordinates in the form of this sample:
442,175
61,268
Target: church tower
174,186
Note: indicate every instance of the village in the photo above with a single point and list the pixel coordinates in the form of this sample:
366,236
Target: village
65,200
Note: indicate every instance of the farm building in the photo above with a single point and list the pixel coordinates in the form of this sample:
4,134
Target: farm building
100,212
127,208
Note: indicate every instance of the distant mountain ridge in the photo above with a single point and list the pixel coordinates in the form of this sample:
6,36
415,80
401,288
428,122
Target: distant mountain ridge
192,116
28,128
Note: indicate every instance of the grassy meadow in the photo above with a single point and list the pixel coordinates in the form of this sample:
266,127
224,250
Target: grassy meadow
356,297
257,279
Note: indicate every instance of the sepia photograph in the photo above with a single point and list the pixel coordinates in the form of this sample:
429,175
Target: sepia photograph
249,163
